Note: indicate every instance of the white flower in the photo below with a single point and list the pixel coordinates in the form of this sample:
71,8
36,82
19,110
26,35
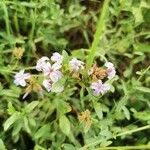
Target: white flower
41,63
110,70
99,87
47,84
20,78
52,71
76,64
56,57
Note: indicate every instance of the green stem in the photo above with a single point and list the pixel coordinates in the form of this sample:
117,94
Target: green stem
120,134
7,71
144,72
134,130
30,68
125,147
6,18
98,33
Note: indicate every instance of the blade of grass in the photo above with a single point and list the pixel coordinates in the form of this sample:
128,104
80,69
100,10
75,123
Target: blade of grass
98,33
6,18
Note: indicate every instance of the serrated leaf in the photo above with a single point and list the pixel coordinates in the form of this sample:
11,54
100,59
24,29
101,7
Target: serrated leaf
64,125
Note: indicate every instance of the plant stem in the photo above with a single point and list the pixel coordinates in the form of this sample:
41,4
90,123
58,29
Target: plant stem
141,147
144,72
134,130
98,33
120,134
6,19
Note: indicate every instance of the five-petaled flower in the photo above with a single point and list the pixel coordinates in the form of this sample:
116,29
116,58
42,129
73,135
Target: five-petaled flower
111,72
20,78
99,87
76,64
57,58
41,63
52,71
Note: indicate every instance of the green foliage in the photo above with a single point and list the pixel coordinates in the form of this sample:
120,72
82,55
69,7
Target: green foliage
122,36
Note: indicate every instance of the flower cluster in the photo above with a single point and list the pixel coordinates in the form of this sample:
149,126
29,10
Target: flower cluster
99,73
52,71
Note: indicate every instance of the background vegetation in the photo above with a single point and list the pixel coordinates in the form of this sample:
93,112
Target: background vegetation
41,27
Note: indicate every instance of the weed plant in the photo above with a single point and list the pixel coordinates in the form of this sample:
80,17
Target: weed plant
67,114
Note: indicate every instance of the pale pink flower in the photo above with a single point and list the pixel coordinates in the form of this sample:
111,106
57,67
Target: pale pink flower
56,57
41,63
110,70
52,71
76,64
99,87
20,78
47,84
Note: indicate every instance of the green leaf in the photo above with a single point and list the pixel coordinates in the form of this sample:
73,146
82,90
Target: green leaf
65,57
142,47
80,53
58,86
42,131
29,108
64,125
10,121
98,110
17,127
68,147
2,146
9,93
62,107
26,125
126,112
143,89
11,110
137,12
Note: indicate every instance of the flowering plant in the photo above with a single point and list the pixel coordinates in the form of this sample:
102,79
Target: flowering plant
54,70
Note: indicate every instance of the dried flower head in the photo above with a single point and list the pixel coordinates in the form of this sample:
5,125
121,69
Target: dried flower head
18,52
97,73
33,86
85,118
